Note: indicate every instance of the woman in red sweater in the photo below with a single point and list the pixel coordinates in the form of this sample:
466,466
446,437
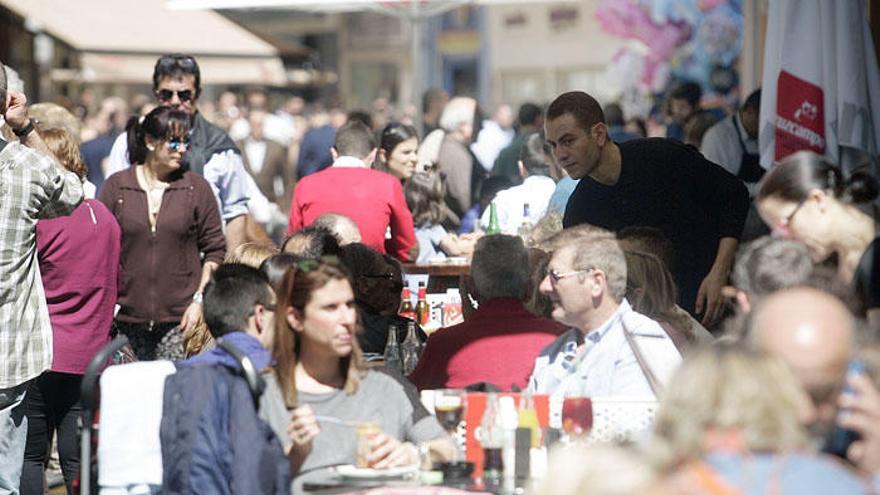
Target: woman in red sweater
172,238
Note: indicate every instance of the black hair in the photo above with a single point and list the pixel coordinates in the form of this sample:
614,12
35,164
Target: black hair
753,101
275,266
533,155
176,65
492,185
796,175
158,124
583,107
688,91
360,116
354,139
614,115
394,134
529,114
359,259
312,242
231,295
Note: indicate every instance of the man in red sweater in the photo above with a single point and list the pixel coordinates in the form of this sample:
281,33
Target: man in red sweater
373,199
499,342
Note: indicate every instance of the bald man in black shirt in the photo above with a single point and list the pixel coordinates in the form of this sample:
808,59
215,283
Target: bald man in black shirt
659,183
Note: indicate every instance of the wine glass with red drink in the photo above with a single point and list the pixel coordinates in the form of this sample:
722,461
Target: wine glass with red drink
577,416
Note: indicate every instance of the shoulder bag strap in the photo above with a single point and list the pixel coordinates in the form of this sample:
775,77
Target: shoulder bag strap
655,384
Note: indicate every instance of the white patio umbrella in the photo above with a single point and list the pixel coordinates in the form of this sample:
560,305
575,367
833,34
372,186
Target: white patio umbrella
821,88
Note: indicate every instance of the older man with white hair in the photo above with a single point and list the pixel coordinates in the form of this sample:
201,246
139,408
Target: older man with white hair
461,123
610,349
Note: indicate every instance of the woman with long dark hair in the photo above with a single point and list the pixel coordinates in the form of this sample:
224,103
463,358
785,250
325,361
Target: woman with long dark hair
170,221
320,387
807,198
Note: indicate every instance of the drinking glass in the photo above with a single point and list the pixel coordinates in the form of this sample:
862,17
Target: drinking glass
449,405
577,416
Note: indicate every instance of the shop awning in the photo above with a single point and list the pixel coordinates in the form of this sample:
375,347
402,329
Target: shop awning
119,40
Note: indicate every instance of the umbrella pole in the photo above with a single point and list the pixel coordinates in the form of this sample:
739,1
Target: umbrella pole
416,21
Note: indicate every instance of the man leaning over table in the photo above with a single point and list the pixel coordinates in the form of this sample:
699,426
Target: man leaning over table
32,187
586,282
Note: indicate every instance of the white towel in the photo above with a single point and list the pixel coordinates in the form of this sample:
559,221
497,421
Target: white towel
129,449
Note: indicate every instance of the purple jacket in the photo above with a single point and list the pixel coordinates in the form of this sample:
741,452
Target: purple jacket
79,265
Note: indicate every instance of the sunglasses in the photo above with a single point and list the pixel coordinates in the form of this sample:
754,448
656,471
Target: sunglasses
312,264
167,95
175,144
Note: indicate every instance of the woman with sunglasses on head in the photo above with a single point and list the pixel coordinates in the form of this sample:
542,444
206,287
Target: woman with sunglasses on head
170,221
320,393
805,197
398,151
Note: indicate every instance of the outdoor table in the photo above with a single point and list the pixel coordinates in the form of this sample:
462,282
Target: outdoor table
440,276
325,482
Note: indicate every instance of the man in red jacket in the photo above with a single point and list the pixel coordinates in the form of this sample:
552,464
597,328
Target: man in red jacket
373,199
499,342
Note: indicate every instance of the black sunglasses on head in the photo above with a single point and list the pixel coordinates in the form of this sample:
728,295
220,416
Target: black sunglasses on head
167,94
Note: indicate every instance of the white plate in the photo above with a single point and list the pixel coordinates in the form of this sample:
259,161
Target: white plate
353,472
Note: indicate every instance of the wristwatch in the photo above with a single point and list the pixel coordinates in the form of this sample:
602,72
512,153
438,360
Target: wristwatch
198,297
24,131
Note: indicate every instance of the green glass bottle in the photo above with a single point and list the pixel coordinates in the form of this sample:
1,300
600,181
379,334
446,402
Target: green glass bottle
494,228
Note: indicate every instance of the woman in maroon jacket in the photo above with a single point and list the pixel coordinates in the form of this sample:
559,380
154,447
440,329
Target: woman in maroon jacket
170,221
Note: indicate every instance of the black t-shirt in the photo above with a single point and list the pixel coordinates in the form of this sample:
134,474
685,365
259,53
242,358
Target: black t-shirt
671,186
867,279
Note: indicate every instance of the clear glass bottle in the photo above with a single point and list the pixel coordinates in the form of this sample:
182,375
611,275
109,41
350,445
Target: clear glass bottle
492,441
392,350
411,349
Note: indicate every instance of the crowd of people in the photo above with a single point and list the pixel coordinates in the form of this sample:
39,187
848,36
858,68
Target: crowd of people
602,263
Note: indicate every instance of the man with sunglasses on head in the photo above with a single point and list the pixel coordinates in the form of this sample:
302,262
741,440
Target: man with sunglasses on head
659,183
211,152
610,349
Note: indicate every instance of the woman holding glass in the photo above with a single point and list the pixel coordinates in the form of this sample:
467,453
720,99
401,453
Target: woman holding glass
170,221
320,394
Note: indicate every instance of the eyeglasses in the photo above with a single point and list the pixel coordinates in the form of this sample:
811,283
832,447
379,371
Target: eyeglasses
555,276
267,307
387,276
784,226
175,144
167,95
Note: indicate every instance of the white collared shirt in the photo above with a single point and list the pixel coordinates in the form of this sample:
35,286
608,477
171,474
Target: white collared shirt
721,143
606,366
535,190
350,161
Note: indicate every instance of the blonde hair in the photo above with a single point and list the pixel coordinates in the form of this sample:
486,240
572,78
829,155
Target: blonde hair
598,470
54,116
251,253
66,150
729,387
198,338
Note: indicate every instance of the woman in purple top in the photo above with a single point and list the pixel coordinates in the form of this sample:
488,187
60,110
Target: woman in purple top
79,261
172,237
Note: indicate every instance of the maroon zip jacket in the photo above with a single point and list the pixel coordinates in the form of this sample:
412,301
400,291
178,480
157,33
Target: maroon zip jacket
159,271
